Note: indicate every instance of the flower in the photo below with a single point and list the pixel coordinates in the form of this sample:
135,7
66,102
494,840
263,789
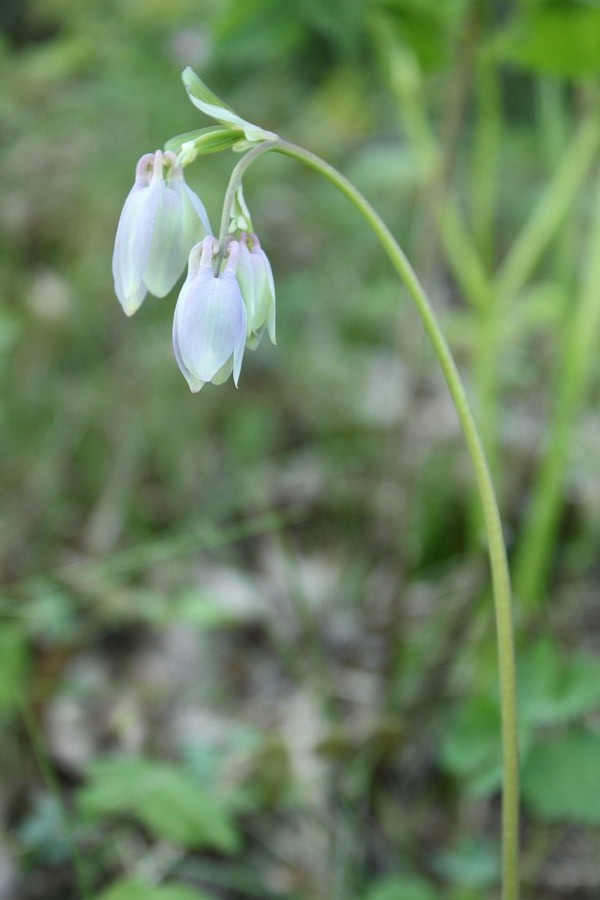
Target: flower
209,328
161,220
255,279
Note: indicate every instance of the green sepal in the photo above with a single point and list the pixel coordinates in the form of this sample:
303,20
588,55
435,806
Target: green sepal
202,97
212,139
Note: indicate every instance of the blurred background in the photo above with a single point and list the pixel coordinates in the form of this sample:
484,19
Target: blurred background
246,637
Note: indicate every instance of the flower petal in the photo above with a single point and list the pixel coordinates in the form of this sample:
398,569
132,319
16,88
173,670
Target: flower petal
132,243
210,318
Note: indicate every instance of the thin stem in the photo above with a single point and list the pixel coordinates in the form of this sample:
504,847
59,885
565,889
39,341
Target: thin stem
234,183
550,209
496,547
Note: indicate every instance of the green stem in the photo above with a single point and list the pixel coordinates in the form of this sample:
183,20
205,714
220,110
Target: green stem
496,547
234,183
535,549
550,209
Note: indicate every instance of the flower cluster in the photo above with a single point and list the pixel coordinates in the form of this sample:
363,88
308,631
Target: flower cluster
227,301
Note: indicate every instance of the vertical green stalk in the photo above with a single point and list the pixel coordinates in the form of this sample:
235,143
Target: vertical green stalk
484,161
482,201
535,548
496,547
554,127
524,254
550,210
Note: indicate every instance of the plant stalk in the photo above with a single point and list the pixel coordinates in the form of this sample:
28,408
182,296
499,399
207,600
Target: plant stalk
496,546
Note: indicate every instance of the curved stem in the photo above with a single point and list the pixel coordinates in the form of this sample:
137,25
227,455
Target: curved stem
496,546
234,183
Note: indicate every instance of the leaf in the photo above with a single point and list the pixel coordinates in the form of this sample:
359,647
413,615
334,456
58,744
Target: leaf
563,38
561,780
473,862
136,889
14,659
168,802
554,689
402,887
177,809
471,748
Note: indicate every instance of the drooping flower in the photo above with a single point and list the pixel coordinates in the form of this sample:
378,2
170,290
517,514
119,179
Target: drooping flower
209,328
161,220
255,279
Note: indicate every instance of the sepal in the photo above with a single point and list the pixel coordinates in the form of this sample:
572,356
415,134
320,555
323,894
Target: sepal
203,98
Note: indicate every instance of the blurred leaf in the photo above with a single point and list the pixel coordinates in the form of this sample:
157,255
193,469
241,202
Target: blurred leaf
271,772
14,659
474,862
471,748
561,780
402,887
250,30
560,37
135,889
191,606
424,26
553,689
165,800
42,832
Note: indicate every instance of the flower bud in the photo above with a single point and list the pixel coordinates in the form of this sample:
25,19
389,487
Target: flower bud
161,220
255,279
209,328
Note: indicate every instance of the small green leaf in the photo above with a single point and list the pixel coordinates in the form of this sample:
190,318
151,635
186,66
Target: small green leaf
167,801
553,688
14,659
471,749
179,810
474,862
136,889
402,887
561,778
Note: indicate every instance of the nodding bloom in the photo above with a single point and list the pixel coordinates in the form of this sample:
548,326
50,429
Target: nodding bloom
209,328
255,279
161,220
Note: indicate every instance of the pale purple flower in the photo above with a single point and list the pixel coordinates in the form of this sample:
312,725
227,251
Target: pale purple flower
255,279
161,220
209,328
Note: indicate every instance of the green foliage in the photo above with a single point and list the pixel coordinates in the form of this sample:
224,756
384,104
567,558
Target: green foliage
165,800
470,748
136,889
407,887
14,658
473,863
555,689
558,37
560,777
